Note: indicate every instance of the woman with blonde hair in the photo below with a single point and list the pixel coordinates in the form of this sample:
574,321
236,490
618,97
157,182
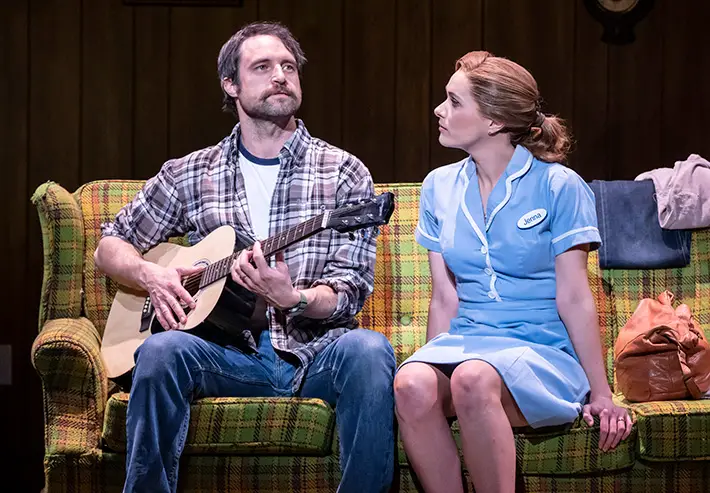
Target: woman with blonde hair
513,337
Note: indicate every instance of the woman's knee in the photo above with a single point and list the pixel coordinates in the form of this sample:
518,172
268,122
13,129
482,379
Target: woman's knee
475,383
416,391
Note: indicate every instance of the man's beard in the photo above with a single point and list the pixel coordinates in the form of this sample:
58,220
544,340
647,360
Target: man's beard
268,108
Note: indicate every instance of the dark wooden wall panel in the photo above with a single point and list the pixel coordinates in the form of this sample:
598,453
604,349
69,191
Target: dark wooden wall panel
55,105
14,25
196,118
686,81
633,131
457,28
54,114
540,37
13,158
412,114
151,89
107,90
589,155
320,34
368,87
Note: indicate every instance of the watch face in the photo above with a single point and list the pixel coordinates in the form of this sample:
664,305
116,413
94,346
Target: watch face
617,6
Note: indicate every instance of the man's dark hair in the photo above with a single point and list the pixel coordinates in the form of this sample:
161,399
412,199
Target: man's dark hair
231,52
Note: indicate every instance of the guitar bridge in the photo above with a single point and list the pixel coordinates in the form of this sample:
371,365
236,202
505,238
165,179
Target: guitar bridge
146,315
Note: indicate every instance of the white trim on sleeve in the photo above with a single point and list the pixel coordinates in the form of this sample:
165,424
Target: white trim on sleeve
573,232
427,236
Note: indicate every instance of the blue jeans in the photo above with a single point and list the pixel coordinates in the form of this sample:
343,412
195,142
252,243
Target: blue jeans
632,237
354,374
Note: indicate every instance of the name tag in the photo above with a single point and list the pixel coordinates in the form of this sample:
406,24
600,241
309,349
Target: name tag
532,218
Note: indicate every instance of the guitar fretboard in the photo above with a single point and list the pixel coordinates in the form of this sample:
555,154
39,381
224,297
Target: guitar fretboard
271,245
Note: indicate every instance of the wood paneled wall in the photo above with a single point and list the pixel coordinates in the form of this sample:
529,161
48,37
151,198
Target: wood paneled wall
96,89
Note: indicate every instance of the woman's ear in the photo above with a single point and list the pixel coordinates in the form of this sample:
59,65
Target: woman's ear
494,128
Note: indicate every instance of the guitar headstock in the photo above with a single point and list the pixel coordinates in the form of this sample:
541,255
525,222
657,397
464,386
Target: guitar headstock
365,213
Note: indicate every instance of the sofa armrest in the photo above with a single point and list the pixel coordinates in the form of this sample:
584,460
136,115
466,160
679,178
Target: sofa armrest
67,356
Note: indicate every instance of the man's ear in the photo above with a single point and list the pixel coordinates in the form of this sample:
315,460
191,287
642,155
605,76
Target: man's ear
230,87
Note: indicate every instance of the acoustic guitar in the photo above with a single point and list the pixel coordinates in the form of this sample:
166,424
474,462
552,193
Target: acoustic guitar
218,299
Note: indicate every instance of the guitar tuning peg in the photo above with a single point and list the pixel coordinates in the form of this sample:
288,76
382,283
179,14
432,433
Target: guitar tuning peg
351,236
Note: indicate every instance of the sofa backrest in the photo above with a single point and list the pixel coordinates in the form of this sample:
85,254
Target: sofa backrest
398,307
399,304
100,201
690,284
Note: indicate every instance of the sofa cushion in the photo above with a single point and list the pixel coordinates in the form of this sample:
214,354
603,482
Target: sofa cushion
233,425
673,430
572,450
561,450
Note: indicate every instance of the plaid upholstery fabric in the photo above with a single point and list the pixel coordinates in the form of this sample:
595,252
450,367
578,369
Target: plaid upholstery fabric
105,472
673,430
399,304
230,425
690,285
67,358
573,451
561,450
602,293
100,202
681,477
642,478
63,245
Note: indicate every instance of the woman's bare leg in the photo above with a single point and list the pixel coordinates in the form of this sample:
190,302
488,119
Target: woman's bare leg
422,403
486,412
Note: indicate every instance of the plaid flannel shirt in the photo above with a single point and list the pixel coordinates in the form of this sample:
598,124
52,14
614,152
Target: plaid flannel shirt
196,194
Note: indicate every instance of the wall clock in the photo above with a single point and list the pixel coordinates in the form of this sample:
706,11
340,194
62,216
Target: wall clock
618,17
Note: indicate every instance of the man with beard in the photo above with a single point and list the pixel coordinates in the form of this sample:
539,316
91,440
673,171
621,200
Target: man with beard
268,175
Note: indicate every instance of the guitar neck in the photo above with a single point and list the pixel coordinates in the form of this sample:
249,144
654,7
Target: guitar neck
270,246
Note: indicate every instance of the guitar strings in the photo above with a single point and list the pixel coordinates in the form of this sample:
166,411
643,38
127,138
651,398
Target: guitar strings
192,282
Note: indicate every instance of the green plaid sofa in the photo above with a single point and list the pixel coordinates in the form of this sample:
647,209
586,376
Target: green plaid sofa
291,445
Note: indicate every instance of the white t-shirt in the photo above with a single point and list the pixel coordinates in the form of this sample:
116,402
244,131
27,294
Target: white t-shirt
259,180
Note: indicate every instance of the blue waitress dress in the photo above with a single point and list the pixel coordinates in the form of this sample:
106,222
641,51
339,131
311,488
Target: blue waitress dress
504,269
